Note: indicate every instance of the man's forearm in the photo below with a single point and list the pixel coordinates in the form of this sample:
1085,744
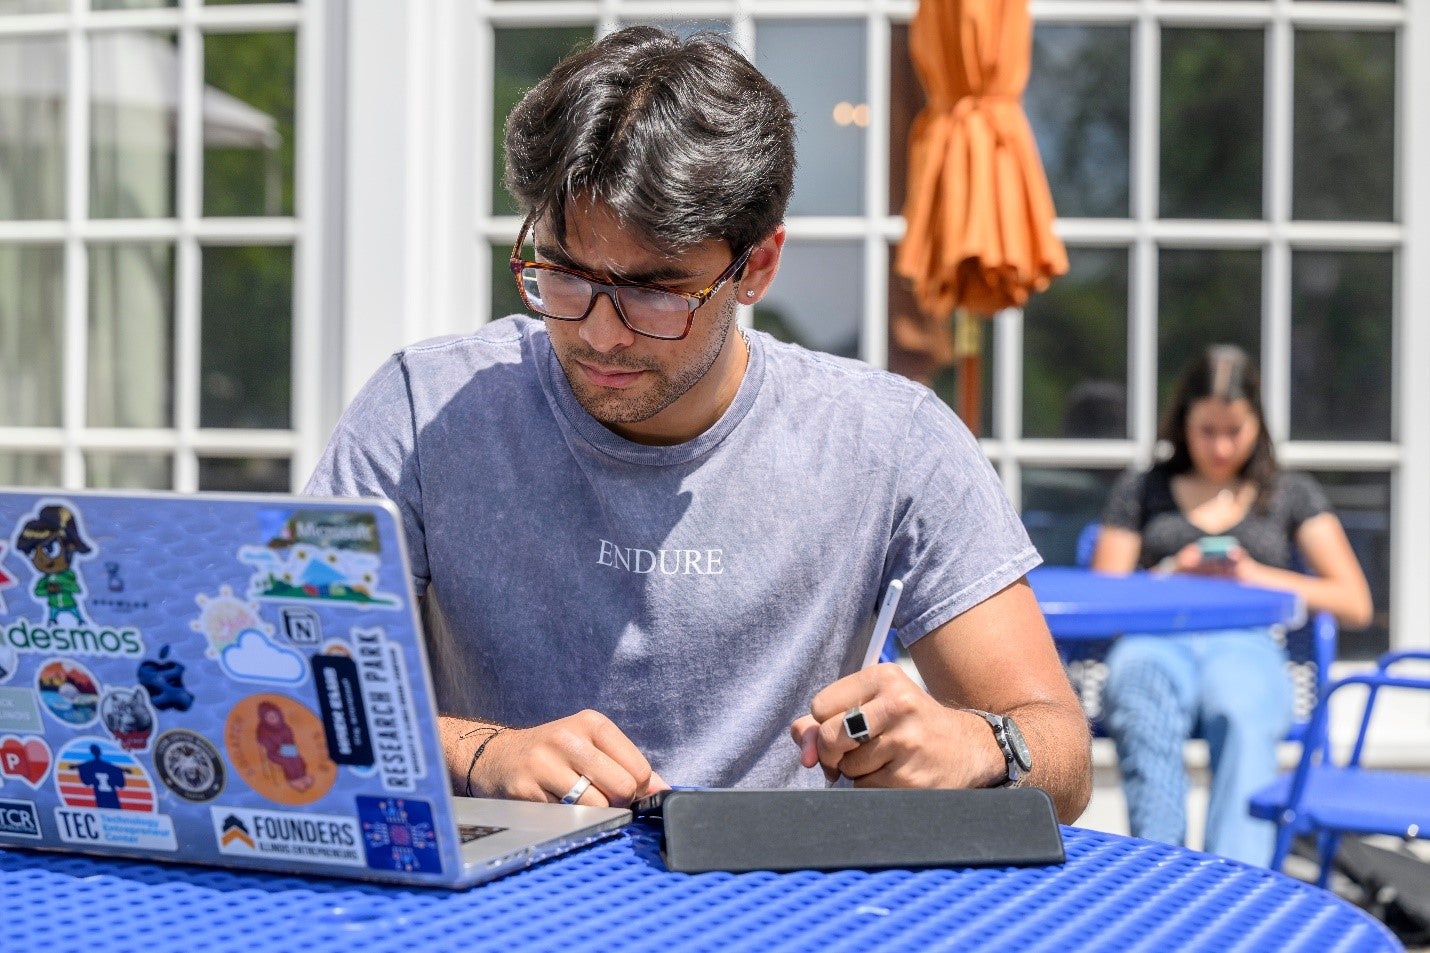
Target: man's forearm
1061,746
463,741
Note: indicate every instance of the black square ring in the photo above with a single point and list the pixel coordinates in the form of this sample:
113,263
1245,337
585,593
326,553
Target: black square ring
856,725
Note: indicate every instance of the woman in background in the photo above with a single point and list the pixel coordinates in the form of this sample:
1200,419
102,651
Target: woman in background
1220,481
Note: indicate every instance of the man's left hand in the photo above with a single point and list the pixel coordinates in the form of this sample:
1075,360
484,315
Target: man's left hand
913,740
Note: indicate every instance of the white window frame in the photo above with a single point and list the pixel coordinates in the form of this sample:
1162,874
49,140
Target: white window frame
403,282
189,231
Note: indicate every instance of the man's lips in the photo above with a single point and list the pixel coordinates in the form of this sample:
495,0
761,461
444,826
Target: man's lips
612,377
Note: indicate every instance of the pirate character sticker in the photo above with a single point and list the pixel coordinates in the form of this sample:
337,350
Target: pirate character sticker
279,747
128,716
54,542
69,692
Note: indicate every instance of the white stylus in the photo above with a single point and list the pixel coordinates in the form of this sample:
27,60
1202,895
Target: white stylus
884,622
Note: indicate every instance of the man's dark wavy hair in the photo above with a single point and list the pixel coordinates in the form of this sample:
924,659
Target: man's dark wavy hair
683,140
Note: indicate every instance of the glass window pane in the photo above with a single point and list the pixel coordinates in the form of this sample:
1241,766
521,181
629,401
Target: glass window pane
246,474
249,134
33,76
131,331
1078,100
8,7
926,349
1058,503
817,299
819,66
132,4
1205,297
134,89
1212,92
523,56
1075,350
505,298
1343,151
1362,503
1341,335
29,469
906,98
246,364
129,471
31,316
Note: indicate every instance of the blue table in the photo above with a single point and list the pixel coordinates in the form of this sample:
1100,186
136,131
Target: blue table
1114,893
1081,604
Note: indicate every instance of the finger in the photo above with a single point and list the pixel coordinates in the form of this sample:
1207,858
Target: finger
805,732
834,743
838,697
588,792
613,743
657,783
869,761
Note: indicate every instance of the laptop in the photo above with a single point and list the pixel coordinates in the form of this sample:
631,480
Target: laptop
236,680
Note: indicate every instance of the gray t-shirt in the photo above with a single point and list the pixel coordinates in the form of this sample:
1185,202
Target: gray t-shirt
699,595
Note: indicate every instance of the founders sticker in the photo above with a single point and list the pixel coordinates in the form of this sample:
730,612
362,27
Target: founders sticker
279,747
290,835
189,765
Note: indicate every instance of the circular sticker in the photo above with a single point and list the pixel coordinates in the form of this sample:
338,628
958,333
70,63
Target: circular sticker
96,772
70,692
189,765
278,747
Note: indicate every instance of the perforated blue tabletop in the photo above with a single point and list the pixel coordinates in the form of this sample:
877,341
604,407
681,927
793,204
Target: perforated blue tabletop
1080,603
1114,893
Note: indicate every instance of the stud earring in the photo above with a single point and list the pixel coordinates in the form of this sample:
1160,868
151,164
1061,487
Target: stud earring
749,294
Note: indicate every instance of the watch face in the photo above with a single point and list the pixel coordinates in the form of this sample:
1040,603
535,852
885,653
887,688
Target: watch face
1019,746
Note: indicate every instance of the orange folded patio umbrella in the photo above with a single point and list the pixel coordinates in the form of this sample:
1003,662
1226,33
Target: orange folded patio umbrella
979,213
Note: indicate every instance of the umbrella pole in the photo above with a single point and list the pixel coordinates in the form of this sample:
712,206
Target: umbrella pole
968,348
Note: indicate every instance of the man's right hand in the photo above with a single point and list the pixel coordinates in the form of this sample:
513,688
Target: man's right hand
543,763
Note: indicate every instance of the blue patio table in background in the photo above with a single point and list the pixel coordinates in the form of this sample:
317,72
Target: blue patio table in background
1114,893
1082,604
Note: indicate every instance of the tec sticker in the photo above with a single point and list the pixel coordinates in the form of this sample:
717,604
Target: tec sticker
96,772
278,747
398,834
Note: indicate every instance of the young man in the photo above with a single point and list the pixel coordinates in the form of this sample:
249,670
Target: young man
649,544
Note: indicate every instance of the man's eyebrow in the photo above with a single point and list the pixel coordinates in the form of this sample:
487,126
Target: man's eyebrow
659,275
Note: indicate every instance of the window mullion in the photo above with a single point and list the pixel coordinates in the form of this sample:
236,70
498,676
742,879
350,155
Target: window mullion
1276,280
874,330
75,341
188,254
1142,291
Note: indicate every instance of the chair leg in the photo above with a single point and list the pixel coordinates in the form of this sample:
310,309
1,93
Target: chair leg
1327,843
1285,834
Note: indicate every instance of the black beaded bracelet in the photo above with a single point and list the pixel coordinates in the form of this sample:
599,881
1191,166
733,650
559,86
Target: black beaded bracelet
480,748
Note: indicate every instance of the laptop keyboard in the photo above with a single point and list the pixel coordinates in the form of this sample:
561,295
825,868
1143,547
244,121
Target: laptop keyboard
471,832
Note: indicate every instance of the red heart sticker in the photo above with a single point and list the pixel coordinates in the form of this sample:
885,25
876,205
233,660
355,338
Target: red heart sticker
25,758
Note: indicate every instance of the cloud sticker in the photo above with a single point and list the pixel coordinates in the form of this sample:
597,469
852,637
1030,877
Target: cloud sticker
252,658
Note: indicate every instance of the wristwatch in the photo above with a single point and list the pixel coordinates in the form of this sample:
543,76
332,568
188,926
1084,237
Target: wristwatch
1011,743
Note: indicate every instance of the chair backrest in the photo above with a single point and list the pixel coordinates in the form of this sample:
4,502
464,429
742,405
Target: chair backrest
1309,649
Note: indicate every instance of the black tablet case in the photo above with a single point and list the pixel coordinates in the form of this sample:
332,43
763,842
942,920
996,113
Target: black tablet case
740,830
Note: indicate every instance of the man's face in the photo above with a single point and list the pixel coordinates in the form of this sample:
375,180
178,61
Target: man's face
648,390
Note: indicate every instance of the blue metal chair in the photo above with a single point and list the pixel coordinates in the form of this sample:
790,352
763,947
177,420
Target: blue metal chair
1310,649
1327,800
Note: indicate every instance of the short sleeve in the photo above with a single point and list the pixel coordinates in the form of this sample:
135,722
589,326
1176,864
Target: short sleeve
1124,507
372,452
1304,498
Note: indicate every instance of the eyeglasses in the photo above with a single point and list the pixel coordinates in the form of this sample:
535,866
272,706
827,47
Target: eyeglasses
650,310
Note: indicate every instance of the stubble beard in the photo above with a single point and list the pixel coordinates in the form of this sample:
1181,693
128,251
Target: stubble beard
660,388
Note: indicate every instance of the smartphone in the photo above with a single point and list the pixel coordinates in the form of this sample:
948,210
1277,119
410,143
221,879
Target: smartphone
1217,548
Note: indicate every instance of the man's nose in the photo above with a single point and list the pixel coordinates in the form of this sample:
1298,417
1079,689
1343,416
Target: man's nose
603,328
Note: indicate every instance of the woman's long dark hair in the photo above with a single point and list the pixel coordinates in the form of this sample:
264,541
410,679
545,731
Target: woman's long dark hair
1225,372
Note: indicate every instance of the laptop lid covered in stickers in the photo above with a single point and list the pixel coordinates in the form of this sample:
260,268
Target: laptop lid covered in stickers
219,679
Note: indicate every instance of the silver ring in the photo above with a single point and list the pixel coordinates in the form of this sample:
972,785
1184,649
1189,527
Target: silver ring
577,789
856,726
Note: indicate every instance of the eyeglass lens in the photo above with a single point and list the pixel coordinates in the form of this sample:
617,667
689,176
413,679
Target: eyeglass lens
560,295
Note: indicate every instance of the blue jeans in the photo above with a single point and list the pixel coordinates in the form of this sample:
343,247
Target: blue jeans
1234,685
